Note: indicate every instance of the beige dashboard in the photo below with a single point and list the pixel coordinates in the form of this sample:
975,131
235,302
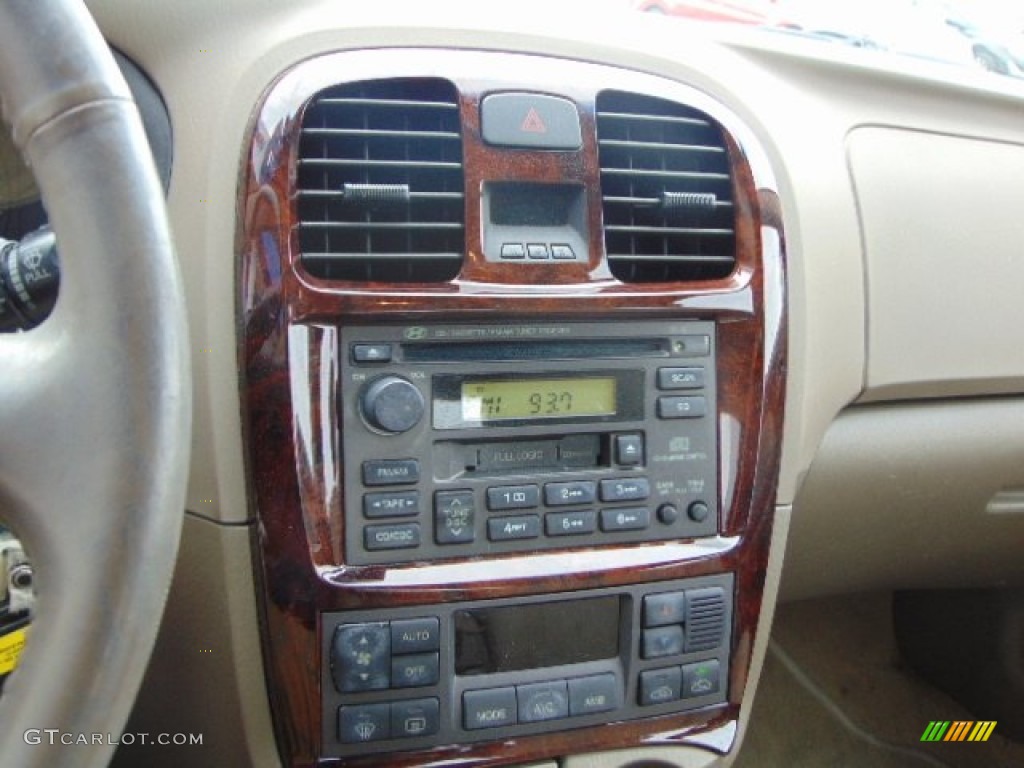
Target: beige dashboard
899,194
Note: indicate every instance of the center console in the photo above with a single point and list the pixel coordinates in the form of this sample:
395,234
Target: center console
513,354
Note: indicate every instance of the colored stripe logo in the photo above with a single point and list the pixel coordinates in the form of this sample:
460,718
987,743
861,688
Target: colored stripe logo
958,730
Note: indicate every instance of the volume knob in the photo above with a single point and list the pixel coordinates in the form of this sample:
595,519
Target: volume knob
392,404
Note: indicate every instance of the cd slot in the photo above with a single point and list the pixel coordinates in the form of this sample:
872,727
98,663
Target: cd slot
533,349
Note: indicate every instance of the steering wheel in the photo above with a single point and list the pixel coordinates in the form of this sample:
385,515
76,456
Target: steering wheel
95,404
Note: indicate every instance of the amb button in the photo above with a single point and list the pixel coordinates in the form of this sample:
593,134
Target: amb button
530,120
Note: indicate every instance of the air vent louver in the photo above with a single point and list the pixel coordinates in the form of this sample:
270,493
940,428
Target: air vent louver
380,182
666,190
705,618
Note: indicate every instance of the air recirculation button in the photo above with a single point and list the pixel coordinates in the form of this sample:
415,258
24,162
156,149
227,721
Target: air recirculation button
392,404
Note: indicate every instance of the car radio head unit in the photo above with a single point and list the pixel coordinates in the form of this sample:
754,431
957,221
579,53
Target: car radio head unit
472,440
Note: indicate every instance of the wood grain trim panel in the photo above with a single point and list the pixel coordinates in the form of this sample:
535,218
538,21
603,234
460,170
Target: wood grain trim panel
289,366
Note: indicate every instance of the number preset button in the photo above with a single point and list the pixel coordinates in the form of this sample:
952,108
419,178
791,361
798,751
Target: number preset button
513,497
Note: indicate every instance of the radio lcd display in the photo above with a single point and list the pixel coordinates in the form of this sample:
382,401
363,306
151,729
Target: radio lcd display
530,636
508,400
499,400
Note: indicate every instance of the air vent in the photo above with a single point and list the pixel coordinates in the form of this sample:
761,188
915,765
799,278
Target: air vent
705,618
380,182
666,190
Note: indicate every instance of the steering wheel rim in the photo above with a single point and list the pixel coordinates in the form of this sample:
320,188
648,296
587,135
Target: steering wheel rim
95,404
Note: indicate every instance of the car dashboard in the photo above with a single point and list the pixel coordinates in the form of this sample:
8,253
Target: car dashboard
524,345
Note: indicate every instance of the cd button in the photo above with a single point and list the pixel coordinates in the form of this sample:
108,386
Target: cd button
681,407
561,494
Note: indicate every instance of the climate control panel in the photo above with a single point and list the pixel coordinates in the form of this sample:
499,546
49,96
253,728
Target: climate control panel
419,676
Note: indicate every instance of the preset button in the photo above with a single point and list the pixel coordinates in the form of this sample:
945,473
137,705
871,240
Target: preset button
570,523
507,528
560,494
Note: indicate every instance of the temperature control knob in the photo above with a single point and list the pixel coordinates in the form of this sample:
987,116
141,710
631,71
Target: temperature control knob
392,404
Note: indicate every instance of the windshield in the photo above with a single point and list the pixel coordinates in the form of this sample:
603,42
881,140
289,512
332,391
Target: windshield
983,34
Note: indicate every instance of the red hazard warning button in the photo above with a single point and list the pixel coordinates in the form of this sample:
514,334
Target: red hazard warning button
530,120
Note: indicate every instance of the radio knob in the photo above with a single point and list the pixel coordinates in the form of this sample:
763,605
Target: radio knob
392,404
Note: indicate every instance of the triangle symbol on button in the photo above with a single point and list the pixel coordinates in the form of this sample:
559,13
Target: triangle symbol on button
533,123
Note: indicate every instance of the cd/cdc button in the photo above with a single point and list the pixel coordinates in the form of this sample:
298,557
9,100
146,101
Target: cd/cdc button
406,536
